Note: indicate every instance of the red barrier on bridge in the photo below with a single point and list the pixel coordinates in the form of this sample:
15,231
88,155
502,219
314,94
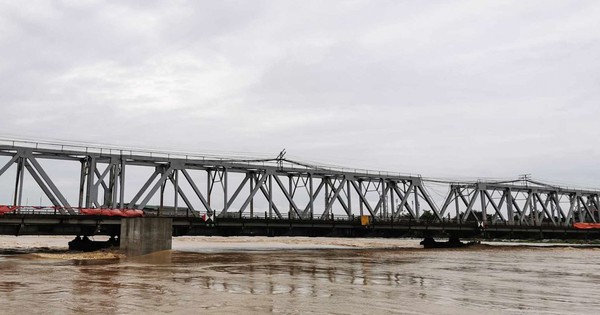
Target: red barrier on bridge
6,209
586,226
126,213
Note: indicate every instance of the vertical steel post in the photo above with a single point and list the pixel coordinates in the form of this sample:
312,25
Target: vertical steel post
19,182
572,204
559,214
596,205
392,200
122,184
535,211
82,183
483,206
290,183
270,196
89,193
579,209
326,210
208,186
360,201
115,185
383,198
349,196
417,206
552,205
176,188
251,199
110,190
456,203
225,184
311,201
509,206
17,177
162,198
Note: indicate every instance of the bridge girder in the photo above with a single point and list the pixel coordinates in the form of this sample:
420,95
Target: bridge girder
102,181
279,188
525,204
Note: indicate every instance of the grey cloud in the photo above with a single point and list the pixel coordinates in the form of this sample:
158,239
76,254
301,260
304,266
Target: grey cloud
462,88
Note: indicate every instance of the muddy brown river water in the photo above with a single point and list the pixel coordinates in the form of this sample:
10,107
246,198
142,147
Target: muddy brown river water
298,276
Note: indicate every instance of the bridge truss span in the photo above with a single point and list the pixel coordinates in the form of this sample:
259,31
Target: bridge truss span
175,184
220,187
530,203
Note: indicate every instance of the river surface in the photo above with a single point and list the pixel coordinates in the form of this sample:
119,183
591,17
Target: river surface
298,276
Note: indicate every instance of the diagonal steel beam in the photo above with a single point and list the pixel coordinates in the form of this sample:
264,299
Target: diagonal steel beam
559,209
94,192
236,193
386,190
470,206
404,200
544,208
339,197
591,202
184,197
447,203
313,197
462,197
335,196
50,184
44,188
587,208
502,201
259,185
161,181
493,203
526,207
545,205
9,163
265,192
517,207
572,204
363,199
287,195
142,190
101,177
430,202
197,191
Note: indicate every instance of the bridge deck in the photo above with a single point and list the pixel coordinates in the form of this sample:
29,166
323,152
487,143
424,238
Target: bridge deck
49,224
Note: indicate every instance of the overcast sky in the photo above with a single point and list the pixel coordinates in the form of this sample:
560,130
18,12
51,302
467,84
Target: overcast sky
443,89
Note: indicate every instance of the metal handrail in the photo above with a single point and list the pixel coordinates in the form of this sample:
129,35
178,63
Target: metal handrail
171,155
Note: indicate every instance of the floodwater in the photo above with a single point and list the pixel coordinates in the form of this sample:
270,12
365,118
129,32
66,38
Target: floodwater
298,276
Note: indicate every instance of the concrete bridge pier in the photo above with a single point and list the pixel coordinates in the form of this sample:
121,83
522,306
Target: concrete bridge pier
141,236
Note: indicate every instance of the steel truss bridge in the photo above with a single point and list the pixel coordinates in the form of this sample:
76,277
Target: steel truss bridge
271,197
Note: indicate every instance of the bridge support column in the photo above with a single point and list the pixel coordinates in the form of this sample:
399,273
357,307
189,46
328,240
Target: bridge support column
141,236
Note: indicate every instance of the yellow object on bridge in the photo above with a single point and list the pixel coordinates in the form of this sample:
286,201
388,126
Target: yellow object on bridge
365,220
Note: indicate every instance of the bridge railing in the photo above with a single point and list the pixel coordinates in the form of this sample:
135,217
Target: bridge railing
68,147
260,216
34,210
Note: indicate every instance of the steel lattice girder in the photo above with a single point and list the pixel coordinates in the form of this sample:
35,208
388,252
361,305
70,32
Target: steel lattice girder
540,203
379,194
105,170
